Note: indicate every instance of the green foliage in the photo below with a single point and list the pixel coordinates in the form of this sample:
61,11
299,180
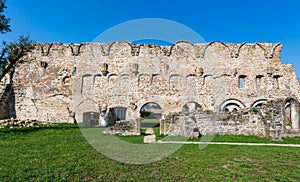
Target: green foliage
4,21
11,53
268,113
20,47
185,107
254,110
145,114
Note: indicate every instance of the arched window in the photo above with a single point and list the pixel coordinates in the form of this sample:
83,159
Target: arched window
191,106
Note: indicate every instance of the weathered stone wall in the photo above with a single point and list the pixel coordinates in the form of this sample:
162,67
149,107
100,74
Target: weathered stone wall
213,123
264,121
42,84
57,81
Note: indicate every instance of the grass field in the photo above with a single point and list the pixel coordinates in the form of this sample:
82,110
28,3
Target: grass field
61,153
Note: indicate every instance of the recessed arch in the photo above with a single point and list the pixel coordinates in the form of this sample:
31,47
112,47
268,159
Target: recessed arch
183,49
260,45
275,47
176,81
259,103
75,49
291,113
45,48
86,85
87,112
178,42
112,79
236,53
128,52
231,105
215,42
191,82
156,79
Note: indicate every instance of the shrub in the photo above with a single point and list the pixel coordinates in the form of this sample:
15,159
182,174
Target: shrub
254,110
145,113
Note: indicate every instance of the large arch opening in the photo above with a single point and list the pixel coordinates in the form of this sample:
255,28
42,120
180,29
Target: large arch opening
150,115
291,112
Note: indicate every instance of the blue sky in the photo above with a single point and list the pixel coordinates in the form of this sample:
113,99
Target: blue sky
237,21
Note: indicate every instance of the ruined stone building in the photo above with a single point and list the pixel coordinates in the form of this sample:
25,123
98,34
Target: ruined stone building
246,86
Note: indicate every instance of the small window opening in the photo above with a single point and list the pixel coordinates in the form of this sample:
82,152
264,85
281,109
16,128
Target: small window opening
276,81
259,81
242,81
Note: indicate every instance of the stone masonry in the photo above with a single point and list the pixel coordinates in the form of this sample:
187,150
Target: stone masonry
98,84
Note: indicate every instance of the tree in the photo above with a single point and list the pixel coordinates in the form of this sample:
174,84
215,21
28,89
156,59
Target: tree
4,22
13,52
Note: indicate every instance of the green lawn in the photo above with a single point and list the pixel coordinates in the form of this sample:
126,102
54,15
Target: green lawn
150,120
61,153
250,139
150,123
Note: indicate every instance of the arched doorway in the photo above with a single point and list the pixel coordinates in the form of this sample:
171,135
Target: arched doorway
291,111
150,114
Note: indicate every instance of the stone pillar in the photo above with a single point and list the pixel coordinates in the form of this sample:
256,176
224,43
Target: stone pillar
104,116
162,125
138,126
295,115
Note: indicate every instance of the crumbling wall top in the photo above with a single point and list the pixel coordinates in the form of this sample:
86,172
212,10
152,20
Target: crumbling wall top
199,50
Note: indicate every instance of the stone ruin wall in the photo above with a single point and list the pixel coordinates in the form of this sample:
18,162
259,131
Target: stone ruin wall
264,121
57,82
